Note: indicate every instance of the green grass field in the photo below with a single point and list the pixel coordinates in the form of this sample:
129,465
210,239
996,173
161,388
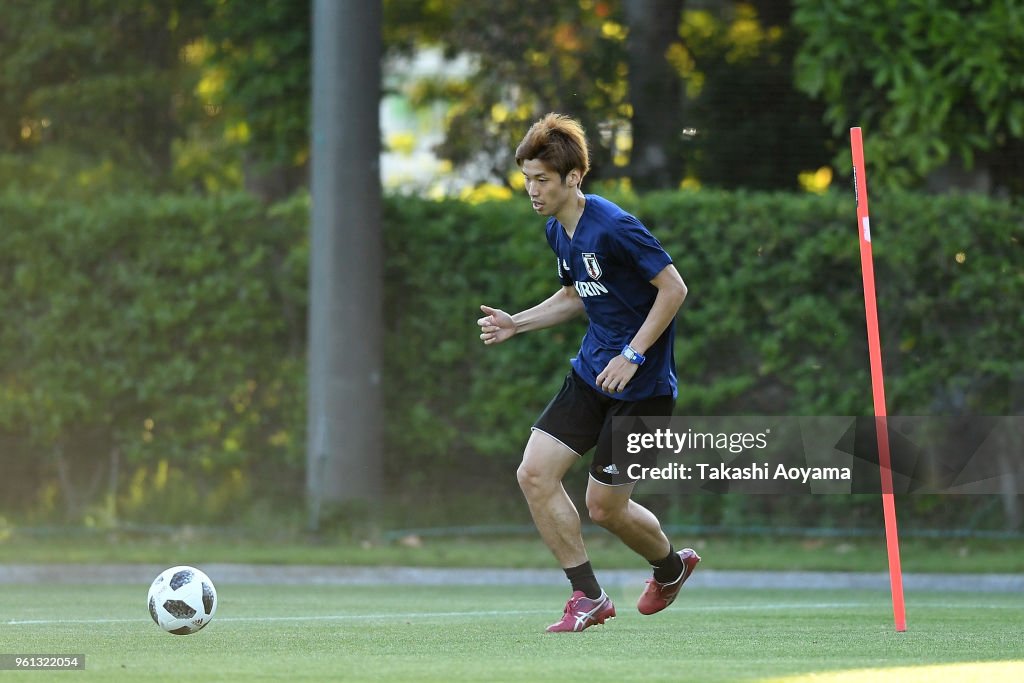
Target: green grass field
321,633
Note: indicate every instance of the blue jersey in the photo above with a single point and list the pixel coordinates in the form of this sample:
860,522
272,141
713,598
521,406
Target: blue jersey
610,261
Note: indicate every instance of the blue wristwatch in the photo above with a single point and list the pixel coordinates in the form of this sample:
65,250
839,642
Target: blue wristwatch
632,356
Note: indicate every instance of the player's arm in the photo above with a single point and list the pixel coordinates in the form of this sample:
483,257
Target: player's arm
671,294
497,326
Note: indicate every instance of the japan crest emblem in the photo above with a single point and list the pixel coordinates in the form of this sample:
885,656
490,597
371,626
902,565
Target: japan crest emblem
592,266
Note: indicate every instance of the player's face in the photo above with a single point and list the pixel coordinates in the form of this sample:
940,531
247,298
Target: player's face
547,191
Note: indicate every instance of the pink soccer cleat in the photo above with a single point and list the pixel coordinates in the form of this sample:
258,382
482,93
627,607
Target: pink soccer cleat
658,596
582,612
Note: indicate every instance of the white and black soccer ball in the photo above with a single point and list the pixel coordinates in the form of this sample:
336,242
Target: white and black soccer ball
182,600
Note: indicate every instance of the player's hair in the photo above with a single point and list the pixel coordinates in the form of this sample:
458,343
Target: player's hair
557,140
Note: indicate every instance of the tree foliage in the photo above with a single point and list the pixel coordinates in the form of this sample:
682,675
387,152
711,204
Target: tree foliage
97,85
932,83
752,128
527,58
101,94
665,90
259,68
214,94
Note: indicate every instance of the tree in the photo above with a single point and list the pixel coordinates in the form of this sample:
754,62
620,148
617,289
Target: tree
156,94
259,59
665,90
655,94
529,57
97,85
751,128
937,86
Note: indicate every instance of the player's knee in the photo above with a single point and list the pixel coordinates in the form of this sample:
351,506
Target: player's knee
532,480
604,514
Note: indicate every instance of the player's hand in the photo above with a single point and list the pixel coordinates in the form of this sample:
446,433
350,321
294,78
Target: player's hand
616,375
496,326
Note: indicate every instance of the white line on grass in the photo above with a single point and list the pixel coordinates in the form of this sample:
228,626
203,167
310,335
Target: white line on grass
305,617
439,615
498,613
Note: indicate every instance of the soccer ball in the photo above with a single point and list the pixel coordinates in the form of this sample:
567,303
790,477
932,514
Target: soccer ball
182,600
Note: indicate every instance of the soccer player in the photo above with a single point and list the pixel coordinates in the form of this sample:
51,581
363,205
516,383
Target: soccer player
611,268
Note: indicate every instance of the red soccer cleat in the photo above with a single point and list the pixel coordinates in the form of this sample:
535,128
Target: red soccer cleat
658,596
582,612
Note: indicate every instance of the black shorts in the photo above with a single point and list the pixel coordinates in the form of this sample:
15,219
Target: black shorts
580,417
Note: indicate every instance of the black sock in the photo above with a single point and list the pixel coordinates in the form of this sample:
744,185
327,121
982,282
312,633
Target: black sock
668,568
582,579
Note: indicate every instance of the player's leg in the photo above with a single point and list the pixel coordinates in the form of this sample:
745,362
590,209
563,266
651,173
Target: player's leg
567,428
545,462
610,504
610,490
611,507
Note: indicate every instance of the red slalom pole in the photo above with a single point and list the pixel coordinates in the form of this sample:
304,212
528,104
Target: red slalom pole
892,541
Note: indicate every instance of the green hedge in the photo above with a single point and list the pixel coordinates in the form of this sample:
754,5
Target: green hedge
148,338
151,355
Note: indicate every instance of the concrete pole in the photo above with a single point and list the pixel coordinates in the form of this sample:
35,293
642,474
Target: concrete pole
346,274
